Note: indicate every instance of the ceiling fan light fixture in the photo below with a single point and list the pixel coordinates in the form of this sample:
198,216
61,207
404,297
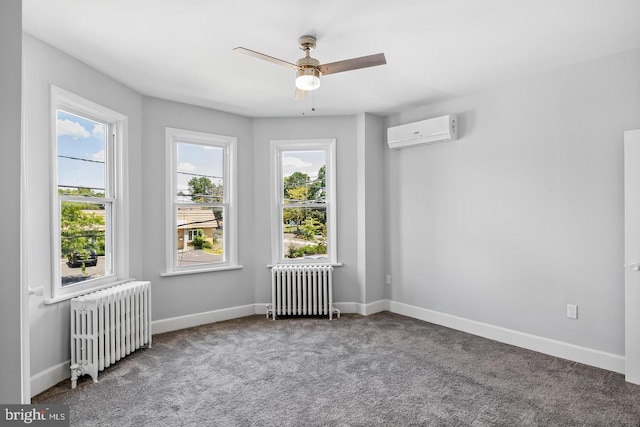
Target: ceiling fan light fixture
309,70
308,79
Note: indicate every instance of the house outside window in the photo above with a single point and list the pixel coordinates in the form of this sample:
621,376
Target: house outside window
89,211
303,201
201,209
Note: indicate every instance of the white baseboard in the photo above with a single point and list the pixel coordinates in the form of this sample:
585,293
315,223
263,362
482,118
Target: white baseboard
612,362
345,307
49,377
599,359
375,307
362,309
190,320
261,308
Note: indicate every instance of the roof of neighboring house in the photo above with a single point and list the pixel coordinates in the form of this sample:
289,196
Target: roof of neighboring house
190,218
196,218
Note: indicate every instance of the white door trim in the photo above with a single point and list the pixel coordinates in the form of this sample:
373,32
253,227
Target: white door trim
25,323
632,254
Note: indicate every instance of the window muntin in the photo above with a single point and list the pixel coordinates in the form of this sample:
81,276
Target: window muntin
202,218
304,205
89,223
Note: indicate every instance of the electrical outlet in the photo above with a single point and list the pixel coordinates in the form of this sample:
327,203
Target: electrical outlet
572,311
388,279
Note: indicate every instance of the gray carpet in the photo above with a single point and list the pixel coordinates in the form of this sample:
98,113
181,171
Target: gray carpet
383,369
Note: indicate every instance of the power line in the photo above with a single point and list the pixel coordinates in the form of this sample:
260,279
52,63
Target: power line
81,159
79,187
307,182
199,222
199,174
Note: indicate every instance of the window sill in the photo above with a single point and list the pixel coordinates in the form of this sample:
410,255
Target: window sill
80,293
333,264
201,270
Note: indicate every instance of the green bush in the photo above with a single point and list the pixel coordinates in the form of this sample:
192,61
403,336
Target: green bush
198,240
100,249
294,252
314,249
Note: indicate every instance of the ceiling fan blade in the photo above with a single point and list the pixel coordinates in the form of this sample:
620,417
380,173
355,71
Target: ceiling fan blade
300,94
353,64
266,57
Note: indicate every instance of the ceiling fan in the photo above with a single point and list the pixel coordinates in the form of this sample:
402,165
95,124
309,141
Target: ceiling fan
309,69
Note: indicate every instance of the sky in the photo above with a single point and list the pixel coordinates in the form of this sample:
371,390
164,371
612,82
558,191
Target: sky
81,155
84,140
308,162
196,160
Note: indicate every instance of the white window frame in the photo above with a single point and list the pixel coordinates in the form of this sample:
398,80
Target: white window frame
174,136
116,194
328,145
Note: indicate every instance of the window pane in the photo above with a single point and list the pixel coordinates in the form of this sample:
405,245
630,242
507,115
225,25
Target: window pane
200,172
200,235
304,232
81,154
303,175
82,242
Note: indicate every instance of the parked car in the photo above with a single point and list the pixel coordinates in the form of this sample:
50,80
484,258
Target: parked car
89,258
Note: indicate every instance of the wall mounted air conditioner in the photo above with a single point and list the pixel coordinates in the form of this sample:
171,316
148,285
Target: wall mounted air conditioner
430,131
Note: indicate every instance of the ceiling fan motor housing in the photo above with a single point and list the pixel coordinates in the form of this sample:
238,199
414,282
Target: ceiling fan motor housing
307,43
308,62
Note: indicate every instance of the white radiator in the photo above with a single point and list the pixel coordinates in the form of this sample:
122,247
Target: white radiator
302,290
107,325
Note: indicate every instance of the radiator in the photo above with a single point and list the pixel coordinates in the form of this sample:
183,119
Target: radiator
301,290
107,325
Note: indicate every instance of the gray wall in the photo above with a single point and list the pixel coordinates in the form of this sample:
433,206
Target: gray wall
359,171
344,130
371,148
10,134
193,293
43,66
524,213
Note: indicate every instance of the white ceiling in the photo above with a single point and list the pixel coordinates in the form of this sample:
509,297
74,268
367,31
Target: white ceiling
182,50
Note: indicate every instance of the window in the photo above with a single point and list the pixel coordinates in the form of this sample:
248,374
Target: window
89,220
201,214
303,201
193,233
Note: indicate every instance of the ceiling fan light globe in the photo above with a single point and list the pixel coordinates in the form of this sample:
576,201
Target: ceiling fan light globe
308,79
307,83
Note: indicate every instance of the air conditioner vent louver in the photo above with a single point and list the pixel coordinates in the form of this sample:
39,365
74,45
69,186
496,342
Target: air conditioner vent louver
430,131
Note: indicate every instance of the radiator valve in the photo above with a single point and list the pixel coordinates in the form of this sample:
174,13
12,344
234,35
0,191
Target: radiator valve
76,371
